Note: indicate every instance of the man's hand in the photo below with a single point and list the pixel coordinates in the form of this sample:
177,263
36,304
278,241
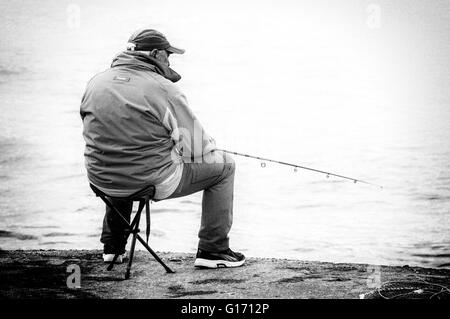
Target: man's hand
210,146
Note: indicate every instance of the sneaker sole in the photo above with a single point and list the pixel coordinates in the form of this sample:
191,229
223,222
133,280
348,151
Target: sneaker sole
207,263
119,260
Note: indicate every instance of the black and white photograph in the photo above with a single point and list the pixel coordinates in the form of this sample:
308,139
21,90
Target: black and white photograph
225,155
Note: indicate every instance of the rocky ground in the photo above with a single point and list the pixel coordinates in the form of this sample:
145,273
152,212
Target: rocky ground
49,274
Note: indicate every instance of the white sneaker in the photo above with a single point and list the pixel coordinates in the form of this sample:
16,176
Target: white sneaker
226,258
107,258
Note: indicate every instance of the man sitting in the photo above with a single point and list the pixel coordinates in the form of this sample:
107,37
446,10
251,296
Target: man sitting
139,131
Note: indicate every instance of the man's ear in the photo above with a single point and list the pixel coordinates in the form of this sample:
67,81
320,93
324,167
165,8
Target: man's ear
153,53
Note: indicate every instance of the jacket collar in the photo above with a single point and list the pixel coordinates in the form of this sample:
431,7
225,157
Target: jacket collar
141,60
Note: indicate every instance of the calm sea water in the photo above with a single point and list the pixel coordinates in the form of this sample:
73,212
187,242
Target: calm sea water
324,84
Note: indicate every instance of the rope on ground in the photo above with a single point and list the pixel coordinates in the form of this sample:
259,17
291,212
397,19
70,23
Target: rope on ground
419,288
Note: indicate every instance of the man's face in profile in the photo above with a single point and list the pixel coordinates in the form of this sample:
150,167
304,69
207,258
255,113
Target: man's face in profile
162,56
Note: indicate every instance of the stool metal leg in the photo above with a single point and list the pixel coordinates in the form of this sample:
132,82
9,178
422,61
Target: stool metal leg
130,261
154,254
135,231
111,264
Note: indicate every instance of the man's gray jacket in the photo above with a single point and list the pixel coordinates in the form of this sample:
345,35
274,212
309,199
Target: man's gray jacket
137,126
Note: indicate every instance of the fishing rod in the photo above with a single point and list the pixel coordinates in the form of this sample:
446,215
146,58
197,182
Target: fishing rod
355,180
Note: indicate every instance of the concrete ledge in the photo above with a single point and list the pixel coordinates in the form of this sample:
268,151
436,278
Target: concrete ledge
43,274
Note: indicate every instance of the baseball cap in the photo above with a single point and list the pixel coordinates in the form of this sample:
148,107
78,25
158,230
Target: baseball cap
149,39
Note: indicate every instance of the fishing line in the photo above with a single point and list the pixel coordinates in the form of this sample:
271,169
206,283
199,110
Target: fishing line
412,289
328,174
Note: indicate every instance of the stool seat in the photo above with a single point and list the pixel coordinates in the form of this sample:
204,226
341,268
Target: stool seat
143,196
148,190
